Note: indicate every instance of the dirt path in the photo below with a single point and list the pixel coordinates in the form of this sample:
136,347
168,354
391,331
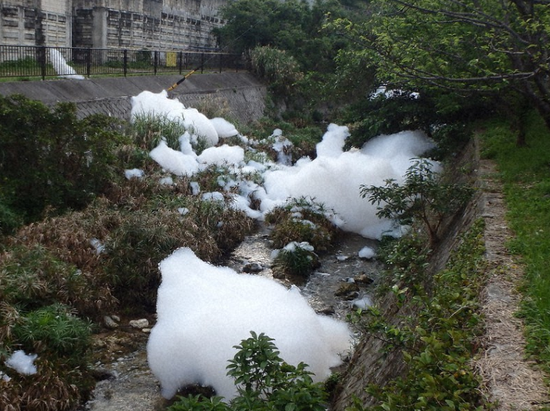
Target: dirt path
511,381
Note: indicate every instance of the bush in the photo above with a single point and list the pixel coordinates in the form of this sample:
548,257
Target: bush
277,67
55,330
439,340
264,382
134,251
149,235
9,219
303,220
149,129
423,197
295,259
50,158
62,342
32,277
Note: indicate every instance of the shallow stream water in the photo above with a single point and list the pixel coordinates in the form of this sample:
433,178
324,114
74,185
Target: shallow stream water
341,279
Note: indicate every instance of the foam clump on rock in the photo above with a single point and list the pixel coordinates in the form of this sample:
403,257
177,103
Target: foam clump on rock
204,311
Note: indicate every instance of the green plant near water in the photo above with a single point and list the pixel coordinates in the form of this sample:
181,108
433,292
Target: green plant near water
303,220
31,277
55,329
406,260
439,342
295,259
264,382
423,197
62,344
277,67
148,130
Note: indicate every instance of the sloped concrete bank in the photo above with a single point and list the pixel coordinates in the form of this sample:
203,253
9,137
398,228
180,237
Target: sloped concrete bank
240,94
509,380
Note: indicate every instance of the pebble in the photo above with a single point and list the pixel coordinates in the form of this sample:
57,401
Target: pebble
141,323
110,322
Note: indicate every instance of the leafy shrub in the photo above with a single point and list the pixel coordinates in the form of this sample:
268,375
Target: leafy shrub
439,341
264,382
423,196
52,159
134,251
277,67
9,219
62,342
56,330
55,387
56,261
147,236
406,260
295,259
303,220
148,130
33,277
381,115
403,109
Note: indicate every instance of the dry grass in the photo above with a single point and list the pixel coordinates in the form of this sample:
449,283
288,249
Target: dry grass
511,381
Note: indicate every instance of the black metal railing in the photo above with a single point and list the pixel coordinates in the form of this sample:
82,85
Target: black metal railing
39,61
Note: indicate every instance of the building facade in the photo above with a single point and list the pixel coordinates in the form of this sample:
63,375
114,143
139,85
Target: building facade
131,24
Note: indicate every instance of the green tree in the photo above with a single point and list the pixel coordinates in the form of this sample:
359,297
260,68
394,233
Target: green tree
423,197
464,46
294,26
252,23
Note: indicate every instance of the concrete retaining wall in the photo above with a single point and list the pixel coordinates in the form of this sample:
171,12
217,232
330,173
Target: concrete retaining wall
240,95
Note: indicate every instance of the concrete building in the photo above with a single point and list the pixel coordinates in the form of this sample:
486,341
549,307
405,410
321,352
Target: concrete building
132,24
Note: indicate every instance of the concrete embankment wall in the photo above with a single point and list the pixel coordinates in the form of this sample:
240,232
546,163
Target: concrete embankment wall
372,362
240,95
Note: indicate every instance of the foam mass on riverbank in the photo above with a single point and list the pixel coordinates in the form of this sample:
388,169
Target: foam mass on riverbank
205,311
333,178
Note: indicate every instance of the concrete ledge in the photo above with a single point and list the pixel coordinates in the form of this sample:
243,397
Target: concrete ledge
243,94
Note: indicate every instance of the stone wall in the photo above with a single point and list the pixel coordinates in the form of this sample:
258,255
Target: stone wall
133,24
372,361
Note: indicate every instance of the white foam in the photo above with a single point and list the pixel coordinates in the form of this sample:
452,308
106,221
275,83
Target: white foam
204,311
22,363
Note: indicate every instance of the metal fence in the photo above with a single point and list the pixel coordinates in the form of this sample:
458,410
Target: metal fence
39,61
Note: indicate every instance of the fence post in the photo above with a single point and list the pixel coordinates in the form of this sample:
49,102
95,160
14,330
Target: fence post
180,61
155,61
42,61
88,61
202,63
221,62
125,58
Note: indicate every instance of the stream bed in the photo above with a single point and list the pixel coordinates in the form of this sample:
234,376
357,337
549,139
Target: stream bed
342,280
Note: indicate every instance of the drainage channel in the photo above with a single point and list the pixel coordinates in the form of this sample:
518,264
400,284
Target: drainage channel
342,281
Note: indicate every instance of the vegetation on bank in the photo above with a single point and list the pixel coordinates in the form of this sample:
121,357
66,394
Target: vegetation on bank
63,185
438,337
79,240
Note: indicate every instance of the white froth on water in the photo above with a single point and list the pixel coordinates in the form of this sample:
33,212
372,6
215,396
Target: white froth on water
204,311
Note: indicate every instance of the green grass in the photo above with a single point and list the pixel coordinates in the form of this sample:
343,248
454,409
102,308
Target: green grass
525,173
